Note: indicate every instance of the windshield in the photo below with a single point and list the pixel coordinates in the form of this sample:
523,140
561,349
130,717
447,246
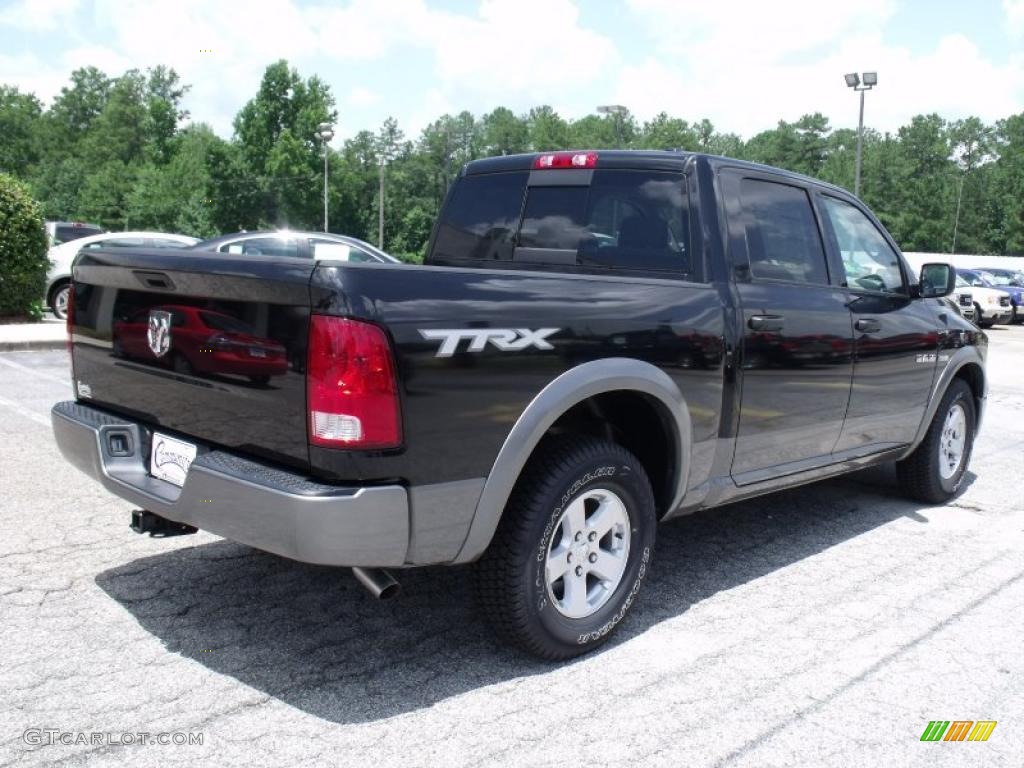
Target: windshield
998,279
961,283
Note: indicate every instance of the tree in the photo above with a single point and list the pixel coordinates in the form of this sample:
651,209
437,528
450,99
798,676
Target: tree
276,131
23,262
504,133
19,118
546,130
664,132
76,107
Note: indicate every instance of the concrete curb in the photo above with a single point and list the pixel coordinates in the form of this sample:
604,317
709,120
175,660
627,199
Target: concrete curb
32,345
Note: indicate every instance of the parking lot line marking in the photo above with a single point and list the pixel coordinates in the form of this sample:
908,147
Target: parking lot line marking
33,371
23,411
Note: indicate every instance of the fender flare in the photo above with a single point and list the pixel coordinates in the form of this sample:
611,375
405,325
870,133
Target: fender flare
570,388
957,360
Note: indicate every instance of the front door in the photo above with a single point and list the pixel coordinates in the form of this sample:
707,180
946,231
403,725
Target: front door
896,338
796,358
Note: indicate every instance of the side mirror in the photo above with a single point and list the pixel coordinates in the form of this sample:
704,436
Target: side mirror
937,280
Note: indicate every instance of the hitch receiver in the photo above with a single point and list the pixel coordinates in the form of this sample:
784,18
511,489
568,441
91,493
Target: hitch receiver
144,521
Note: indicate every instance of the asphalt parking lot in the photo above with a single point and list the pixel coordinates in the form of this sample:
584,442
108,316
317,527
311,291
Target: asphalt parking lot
821,626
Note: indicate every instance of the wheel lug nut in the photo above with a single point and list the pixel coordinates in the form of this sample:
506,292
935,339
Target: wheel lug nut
579,570
568,558
592,535
593,557
579,535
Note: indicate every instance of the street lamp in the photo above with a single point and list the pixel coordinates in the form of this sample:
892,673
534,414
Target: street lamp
325,132
616,111
855,81
380,207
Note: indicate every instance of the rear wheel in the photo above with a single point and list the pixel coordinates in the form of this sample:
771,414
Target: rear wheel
59,300
572,550
934,472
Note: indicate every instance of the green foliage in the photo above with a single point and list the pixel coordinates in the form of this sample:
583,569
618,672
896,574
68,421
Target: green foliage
23,261
113,150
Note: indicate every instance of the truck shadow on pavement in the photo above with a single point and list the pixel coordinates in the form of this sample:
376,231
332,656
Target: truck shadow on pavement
312,638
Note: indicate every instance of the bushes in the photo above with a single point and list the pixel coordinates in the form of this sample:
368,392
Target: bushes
23,247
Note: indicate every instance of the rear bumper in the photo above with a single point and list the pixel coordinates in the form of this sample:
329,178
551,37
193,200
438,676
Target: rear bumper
265,507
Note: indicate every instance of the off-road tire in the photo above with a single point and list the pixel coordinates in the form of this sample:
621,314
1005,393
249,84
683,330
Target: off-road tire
511,586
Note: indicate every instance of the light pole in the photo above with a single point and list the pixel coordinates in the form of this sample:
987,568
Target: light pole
325,132
853,80
616,111
380,208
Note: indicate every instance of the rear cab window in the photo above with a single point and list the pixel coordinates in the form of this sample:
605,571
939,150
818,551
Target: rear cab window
632,221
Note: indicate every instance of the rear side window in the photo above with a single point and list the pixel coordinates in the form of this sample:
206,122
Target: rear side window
480,218
783,241
638,220
66,233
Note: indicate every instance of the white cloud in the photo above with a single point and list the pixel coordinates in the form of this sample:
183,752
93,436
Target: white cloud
362,97
1014,10
37,14
788,59
744,65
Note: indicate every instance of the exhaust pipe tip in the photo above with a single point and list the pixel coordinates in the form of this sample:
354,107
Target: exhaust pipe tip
378,582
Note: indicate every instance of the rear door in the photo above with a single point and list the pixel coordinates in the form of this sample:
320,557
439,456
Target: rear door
136,352
896,338
796,358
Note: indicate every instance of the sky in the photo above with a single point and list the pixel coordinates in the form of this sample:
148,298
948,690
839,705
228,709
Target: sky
743,65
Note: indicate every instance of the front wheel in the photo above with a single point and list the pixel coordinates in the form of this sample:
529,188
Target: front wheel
934,472
572,550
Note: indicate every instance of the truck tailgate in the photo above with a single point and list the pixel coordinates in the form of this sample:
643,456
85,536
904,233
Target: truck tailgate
203,346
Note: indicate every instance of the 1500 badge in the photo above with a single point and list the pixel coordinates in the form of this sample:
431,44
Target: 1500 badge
505,339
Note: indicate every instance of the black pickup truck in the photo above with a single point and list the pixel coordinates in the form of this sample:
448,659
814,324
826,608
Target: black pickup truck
598,341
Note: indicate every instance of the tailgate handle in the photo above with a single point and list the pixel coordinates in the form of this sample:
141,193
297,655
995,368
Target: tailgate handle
155,280
765,323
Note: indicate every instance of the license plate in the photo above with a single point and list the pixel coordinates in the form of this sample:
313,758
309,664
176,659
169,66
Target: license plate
171,458
255,352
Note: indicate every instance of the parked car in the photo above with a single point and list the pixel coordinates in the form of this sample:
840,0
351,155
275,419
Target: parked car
1006,276
205,342
994,304
598,341
1007,280
964,298
58,279
303,245
58,232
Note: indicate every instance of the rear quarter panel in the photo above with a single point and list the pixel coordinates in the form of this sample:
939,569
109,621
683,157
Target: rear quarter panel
458,410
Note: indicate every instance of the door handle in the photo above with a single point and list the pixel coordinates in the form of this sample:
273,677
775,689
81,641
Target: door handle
868,325
765,322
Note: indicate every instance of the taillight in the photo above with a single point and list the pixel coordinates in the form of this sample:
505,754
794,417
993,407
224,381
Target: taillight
69,320
352,391
565,160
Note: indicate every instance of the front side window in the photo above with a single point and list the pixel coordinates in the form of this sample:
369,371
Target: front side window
869,261
783,241
263,246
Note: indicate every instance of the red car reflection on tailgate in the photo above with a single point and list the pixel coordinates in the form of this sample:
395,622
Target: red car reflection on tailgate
203,341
